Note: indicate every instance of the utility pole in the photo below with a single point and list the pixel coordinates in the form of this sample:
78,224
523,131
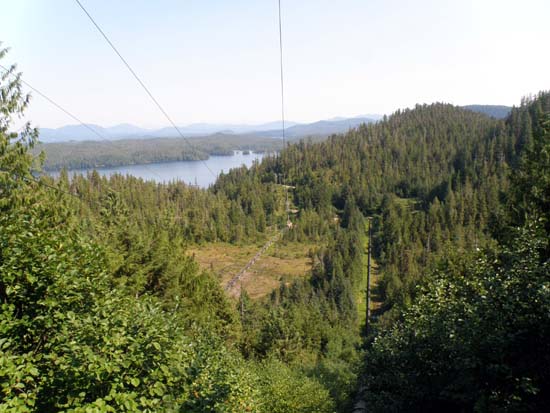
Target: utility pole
368,277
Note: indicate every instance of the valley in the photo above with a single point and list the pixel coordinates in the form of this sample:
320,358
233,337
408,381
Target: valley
432,179
228,267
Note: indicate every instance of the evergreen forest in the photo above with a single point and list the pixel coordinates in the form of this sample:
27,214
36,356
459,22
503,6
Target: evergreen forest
103,308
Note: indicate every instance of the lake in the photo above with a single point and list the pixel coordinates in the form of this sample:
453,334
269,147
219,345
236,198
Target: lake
190,172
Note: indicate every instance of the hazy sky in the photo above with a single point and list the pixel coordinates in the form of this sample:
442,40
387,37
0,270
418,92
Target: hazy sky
217,60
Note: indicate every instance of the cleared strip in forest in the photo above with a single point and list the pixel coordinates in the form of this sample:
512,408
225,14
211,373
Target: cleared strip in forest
250,263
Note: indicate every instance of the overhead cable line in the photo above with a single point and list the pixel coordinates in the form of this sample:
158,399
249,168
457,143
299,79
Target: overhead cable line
279,234
61,108
61,191
32,178
155,101
287,206
282,76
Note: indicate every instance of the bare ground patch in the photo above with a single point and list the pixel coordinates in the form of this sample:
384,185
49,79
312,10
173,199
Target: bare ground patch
283,261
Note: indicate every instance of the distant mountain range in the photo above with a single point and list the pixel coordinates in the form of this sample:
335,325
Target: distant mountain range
495,111
270,129
293,130
320,128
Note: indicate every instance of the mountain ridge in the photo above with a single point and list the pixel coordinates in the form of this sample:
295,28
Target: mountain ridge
494,111
272,129
77,133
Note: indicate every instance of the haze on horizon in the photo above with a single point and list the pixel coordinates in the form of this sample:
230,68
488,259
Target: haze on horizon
217,61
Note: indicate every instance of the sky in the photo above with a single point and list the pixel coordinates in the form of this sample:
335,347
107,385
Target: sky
217,61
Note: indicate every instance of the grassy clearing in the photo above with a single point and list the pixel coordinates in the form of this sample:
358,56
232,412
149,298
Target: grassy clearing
410,203
284,261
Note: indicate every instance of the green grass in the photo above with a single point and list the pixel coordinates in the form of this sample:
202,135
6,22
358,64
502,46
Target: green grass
284,261
410,203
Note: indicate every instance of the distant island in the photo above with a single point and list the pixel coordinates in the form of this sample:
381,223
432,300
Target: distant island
100,154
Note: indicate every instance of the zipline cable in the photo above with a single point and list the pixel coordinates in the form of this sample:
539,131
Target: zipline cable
155,101
61,108
287,208
282,74
33,179
279,234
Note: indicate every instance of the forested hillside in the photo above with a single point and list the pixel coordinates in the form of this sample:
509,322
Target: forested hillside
102,309
475,337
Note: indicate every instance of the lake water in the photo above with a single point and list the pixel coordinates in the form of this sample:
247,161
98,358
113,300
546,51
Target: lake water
190,172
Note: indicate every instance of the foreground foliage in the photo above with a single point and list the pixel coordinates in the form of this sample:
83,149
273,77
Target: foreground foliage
475,340
95,318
